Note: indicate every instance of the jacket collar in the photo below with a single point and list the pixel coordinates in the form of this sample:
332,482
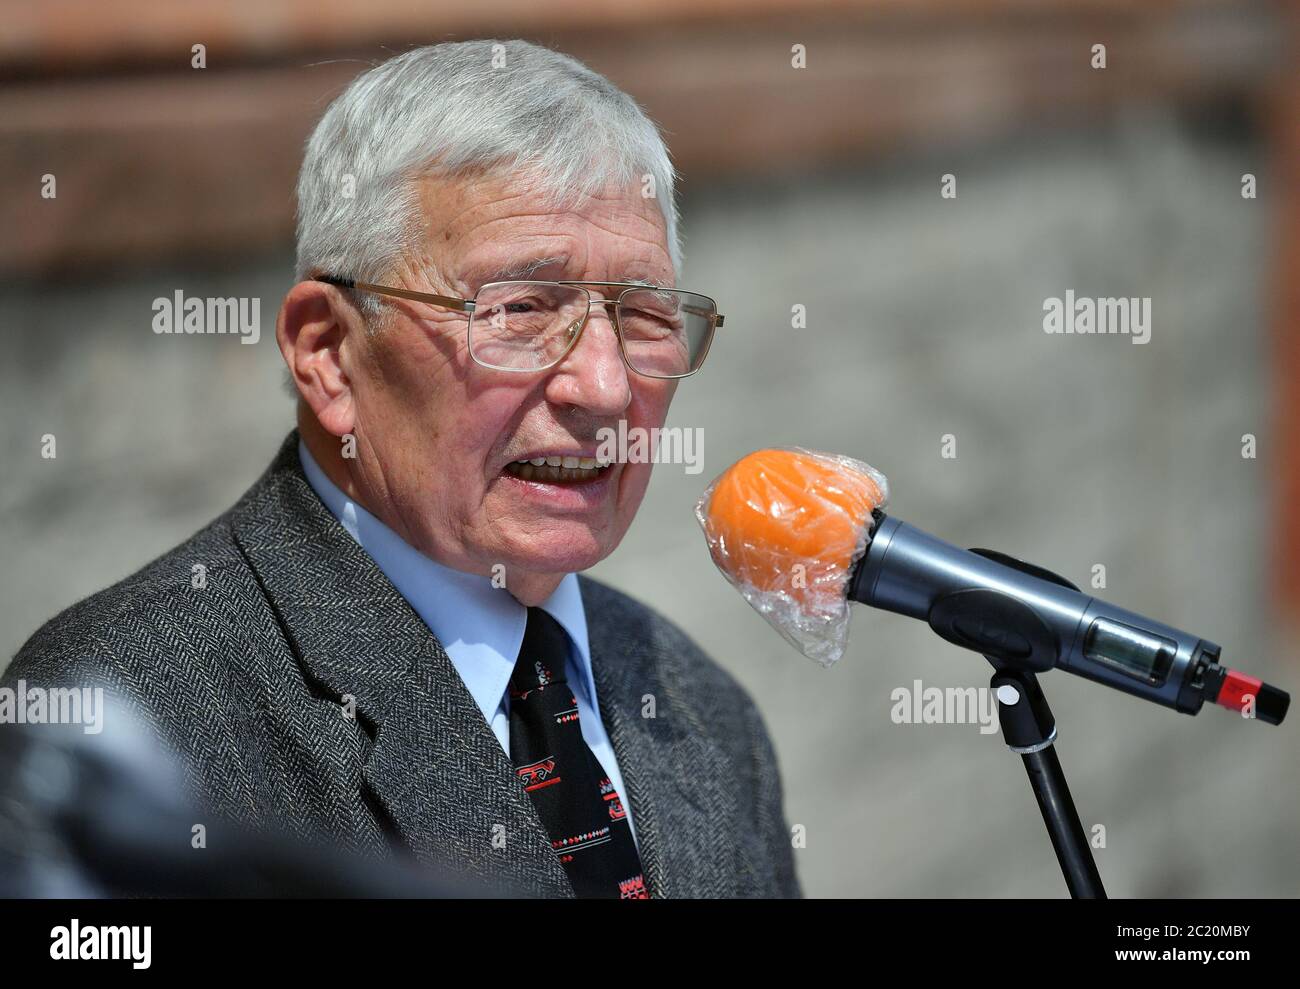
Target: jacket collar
679,780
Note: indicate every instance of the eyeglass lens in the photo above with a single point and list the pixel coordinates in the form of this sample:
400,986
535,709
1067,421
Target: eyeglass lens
529,326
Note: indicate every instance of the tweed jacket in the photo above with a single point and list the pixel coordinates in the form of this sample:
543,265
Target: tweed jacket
244,680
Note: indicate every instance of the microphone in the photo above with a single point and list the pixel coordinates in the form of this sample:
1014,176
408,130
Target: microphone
800,534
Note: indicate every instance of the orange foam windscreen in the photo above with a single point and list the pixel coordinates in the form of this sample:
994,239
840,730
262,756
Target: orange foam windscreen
776,516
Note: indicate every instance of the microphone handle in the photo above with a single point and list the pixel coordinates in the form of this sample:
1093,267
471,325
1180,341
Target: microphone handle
1030,618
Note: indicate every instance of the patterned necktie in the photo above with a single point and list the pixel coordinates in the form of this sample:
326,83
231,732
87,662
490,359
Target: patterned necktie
577,803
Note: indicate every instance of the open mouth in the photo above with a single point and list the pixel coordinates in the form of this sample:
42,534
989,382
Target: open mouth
558,470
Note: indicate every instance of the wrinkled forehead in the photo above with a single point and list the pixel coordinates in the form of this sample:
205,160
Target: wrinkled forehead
498,226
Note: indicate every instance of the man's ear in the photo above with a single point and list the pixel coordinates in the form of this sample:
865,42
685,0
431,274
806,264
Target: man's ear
318,330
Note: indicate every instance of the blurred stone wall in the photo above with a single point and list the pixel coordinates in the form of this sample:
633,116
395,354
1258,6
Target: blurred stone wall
924,319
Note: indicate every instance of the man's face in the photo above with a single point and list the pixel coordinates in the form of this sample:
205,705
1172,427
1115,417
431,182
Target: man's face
437,433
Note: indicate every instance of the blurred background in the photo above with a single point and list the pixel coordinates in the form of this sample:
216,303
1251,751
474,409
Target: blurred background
817,187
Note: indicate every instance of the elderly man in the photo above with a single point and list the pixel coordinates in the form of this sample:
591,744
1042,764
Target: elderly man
390,645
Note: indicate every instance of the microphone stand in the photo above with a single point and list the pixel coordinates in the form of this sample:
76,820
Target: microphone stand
1023,625
1029,729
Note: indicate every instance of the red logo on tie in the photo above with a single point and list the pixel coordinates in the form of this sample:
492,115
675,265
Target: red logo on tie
633,889
537,774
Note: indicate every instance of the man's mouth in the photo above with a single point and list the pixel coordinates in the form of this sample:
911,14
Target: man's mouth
558,470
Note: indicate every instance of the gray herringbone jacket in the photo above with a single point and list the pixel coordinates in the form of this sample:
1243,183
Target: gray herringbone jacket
244,679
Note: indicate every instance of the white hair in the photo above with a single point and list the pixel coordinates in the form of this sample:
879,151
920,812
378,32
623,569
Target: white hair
462,108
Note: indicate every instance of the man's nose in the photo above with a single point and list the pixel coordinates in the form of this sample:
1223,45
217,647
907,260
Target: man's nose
593,375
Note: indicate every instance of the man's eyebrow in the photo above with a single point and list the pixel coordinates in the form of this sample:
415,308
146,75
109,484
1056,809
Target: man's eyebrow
520,271
525,270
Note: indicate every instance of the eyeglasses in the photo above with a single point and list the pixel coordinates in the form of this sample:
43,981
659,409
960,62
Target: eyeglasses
530,326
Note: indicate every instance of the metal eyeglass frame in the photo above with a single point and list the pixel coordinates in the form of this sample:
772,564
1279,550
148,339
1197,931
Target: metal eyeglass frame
467,306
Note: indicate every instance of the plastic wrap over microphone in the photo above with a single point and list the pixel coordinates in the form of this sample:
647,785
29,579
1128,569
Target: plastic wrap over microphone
785,527
801,534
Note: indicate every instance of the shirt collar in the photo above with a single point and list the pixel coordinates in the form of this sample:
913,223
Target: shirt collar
479,625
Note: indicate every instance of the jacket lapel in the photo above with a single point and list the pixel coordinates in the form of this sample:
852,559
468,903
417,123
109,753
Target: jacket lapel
675,775
435,768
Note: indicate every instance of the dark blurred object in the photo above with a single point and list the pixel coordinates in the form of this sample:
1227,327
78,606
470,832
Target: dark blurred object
101,816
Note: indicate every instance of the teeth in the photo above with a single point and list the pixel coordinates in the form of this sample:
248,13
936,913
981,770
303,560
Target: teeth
558,469
586,463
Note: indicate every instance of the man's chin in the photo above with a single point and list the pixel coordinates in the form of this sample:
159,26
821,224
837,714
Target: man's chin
565,549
